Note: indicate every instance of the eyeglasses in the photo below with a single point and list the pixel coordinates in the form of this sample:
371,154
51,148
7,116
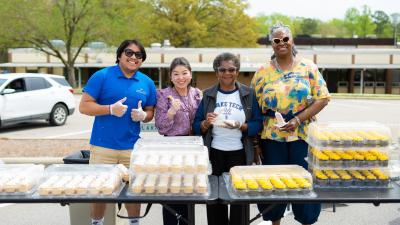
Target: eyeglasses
278,40
224,70
129,53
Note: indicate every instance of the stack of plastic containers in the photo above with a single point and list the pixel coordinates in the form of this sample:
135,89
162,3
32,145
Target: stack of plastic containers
169,166
269,181
349,154
81,181
19,179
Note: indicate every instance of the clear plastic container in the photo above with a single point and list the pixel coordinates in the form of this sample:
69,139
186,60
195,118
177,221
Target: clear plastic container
169,185
348,134
338,158
169,169
73,180
356,179
173,140
270,180
170,159
20,179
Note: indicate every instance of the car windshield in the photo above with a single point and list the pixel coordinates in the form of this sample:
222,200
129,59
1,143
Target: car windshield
61,81
2,81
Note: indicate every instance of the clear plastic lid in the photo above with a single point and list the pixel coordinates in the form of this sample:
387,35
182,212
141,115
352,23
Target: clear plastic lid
19,179
348,134
348,158
173,140
167,161
290,179
81,180
169,184
341,178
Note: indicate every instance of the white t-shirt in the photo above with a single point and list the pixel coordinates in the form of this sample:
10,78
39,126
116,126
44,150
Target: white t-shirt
229,107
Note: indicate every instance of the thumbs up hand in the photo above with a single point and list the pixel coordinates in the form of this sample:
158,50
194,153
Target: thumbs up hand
175,105
118,109
138,114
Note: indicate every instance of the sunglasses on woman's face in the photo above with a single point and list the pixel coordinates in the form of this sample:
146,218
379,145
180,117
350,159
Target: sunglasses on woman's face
129,53
224,70
278,40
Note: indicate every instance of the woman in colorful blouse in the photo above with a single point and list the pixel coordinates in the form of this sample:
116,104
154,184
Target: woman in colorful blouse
294,88
175,110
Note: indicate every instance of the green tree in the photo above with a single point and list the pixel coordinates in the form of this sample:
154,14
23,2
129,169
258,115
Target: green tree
127,20
72,23
333,28
351,21
264,23
309,26
193,23
365,23
382,22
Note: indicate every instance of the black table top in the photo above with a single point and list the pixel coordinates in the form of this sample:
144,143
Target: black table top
391,195
121,198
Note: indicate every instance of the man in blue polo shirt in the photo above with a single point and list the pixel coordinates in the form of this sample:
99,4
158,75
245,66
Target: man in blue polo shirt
108,95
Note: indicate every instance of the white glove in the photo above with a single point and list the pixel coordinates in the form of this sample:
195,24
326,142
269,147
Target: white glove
231,124
175,105
118,109
138,114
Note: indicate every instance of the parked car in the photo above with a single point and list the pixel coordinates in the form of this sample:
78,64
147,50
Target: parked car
30,96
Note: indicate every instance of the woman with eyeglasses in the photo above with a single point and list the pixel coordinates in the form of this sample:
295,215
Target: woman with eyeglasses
294,88
108,95
175,110
228,117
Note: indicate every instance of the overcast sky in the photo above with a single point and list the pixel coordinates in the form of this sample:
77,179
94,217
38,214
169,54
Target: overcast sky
319,9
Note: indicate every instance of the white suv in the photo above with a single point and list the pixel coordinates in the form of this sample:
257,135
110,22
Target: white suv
31,96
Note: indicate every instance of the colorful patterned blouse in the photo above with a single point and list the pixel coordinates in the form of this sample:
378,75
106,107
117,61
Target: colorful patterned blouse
183,119
287,91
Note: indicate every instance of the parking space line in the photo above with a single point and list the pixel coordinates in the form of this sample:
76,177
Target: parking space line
69,134
352,105
6,204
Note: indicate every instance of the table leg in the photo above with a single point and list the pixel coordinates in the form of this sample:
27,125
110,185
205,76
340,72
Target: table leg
191,216
246,214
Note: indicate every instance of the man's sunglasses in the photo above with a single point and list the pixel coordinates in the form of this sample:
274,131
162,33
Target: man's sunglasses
278,40
224,70
129,53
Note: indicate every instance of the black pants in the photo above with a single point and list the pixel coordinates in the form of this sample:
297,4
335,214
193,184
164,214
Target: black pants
170,219
223,161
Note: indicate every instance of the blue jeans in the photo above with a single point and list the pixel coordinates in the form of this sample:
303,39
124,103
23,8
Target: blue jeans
277,153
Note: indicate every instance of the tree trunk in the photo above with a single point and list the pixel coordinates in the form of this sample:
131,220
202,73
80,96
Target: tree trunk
71,75
3,55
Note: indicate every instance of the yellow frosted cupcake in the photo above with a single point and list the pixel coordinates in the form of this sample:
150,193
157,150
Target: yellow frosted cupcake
265,183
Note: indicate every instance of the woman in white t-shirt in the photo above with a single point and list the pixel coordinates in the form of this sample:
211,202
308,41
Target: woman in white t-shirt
228,117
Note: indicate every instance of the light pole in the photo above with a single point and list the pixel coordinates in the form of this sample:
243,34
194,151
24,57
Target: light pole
395,20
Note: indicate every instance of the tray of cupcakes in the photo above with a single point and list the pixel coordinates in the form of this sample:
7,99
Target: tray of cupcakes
20,179
344,179
347,158
169,170
348,135
81,181
349,154
269,181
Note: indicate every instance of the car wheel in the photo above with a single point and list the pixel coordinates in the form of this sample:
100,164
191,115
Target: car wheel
58,115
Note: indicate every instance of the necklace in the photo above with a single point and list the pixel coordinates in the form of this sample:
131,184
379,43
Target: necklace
187,104
279,67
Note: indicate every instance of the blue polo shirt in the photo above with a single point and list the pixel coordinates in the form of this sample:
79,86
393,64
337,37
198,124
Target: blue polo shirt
109,85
